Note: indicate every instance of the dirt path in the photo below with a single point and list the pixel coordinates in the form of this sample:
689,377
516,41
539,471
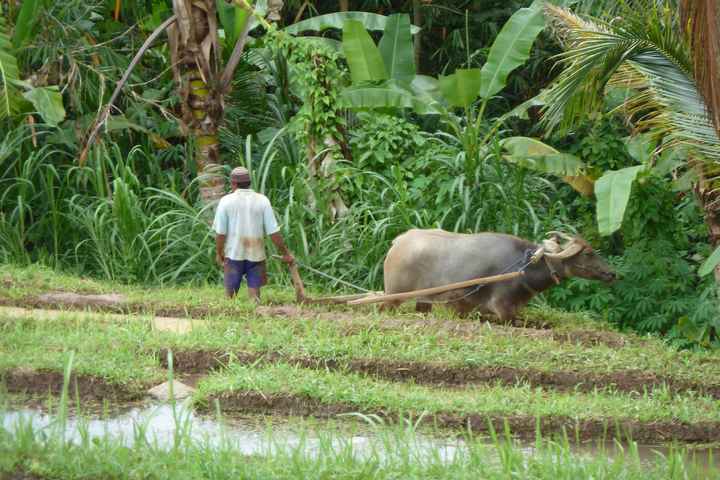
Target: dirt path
166,324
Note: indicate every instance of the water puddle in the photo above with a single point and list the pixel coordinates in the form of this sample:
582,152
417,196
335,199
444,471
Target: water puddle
159,424
252,435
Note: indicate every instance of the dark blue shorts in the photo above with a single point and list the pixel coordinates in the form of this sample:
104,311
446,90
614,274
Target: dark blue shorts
235,270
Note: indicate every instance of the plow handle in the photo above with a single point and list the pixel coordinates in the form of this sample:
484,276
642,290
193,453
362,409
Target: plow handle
297,283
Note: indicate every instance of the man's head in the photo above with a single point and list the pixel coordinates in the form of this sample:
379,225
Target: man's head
240,177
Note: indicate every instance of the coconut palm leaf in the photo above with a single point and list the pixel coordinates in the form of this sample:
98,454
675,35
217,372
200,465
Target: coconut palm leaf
645,54
700,19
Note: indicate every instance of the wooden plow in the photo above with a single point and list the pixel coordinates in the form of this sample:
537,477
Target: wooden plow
378,297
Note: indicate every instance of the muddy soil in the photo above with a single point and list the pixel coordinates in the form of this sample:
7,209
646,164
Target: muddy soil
20,475
436,373
520,426
245,402
470,329
83,300
34,382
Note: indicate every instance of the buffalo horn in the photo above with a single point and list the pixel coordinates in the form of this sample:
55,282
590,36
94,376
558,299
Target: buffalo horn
560,235
572,249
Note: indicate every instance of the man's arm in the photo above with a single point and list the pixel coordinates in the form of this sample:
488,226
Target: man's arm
272,228
277,239
220,249
220,225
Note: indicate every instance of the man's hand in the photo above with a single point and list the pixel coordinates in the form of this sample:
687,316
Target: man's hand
280,245
219,259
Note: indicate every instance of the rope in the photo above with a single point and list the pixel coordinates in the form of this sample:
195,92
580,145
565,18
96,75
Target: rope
528,258
329,277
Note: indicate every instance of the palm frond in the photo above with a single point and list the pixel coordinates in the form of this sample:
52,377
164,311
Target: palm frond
642,55
700,20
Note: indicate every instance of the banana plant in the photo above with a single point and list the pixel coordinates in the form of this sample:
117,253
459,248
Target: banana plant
18,96
383,76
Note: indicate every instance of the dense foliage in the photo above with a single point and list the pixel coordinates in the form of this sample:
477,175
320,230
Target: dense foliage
131,211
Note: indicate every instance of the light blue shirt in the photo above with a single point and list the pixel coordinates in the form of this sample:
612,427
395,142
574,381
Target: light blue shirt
245,217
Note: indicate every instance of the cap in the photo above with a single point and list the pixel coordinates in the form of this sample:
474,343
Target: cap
240,175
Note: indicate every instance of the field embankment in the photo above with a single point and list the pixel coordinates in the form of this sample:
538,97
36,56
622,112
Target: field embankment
575,375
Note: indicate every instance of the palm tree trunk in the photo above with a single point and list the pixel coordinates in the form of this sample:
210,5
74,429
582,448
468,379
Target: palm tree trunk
195,54
417,20
709,198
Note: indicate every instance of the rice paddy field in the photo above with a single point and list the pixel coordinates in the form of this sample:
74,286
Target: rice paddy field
522,399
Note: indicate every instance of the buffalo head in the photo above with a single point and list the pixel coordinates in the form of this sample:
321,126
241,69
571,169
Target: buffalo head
577,257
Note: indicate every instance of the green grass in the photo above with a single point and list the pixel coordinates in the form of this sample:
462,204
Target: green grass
330,387
491,346
26,282
125,350
23,282
111,351
131,343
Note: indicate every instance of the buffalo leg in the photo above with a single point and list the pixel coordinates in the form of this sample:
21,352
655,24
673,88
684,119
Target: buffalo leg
389,306
421,307
462,308
505,311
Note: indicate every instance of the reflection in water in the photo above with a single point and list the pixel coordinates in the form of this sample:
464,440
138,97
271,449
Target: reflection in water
159,424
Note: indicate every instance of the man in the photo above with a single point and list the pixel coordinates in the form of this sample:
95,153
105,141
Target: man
242,220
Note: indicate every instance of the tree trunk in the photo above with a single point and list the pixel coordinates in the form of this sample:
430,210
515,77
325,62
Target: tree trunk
709,198
344,5
417,20
274,10
195,55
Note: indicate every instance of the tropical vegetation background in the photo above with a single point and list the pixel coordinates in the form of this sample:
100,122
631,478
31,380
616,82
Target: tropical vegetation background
361,119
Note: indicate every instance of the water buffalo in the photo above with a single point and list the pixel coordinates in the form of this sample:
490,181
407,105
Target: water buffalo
421,259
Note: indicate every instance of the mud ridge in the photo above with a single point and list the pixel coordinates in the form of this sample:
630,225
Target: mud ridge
426,373
465,329
88,387
520,426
